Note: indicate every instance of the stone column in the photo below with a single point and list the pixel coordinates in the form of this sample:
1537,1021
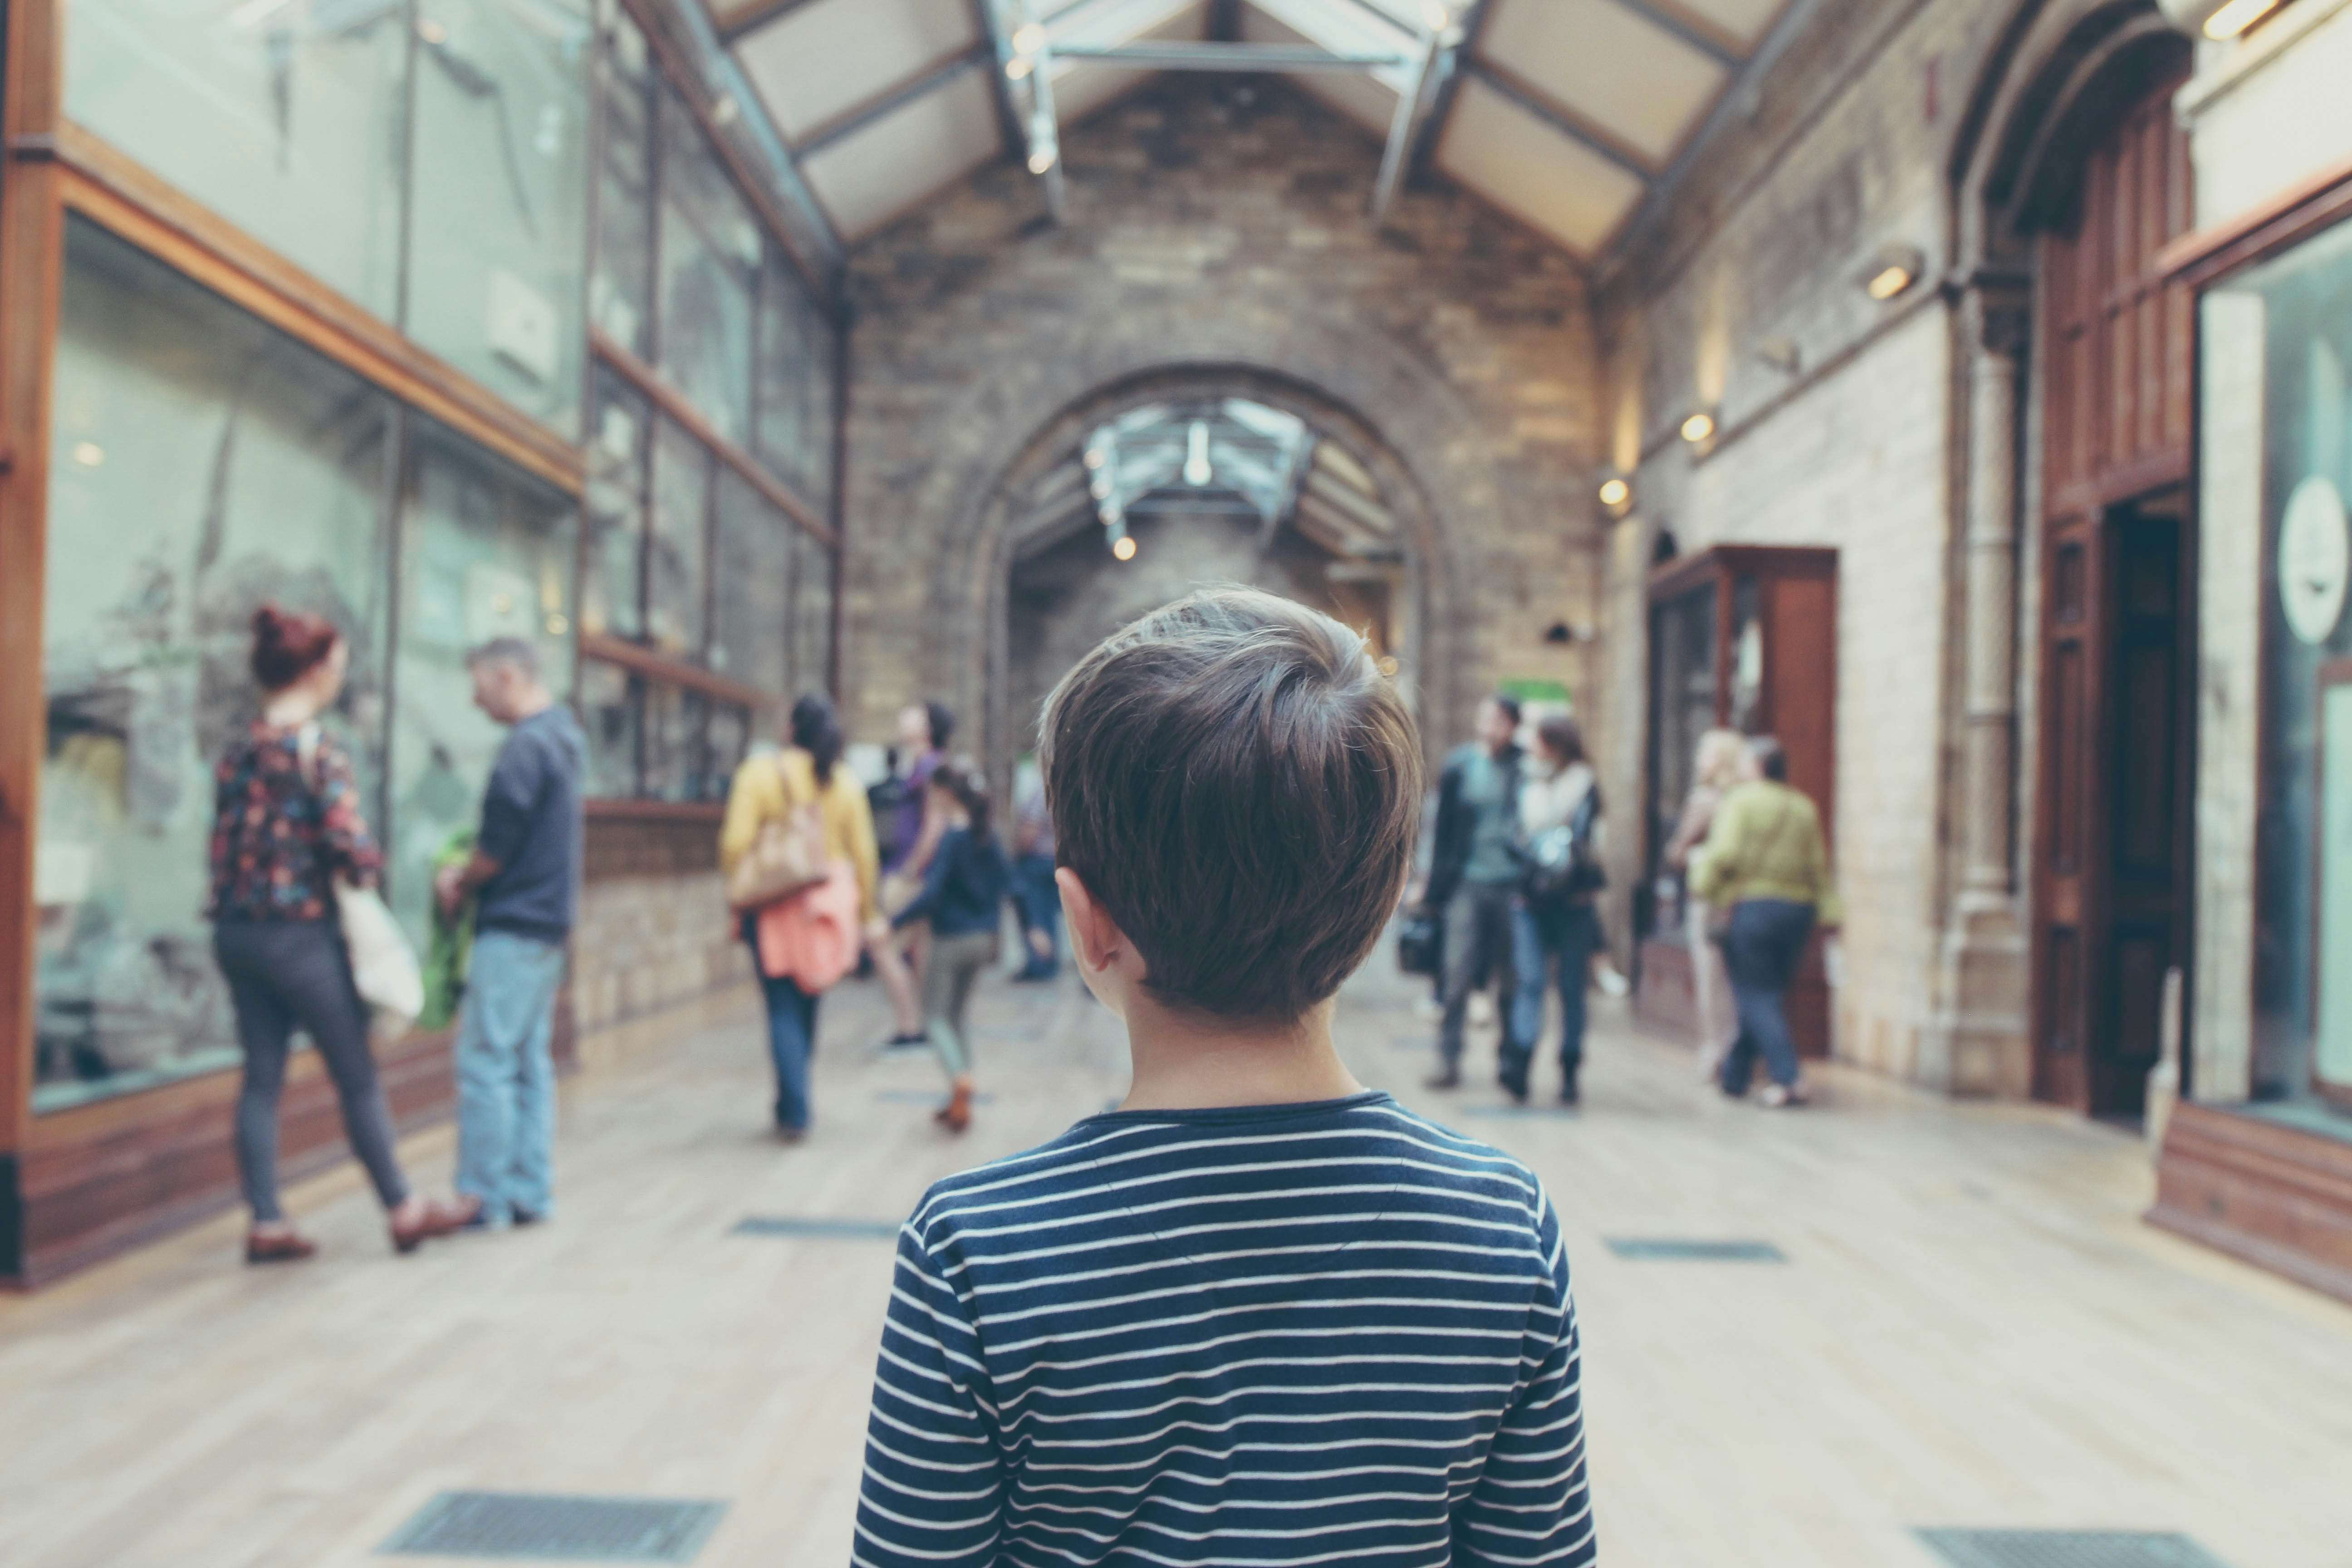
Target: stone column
1980,1043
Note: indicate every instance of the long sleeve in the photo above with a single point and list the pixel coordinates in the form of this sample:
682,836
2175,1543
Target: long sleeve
1828,908
934,1489
745,811
344,841
935,884
1533,1503
1720,866
865,857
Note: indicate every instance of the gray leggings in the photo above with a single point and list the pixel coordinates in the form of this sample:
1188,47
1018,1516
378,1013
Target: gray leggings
289,975
956,962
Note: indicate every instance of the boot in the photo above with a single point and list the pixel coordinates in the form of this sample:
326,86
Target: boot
957,1114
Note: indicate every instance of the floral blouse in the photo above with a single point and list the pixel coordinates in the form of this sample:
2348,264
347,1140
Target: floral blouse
280,839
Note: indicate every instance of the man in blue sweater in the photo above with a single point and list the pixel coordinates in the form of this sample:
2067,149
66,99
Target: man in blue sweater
1258,1314
524,877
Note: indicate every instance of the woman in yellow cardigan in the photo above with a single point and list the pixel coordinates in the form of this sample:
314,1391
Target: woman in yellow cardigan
767,788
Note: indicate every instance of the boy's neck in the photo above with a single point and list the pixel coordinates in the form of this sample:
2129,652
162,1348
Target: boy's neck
1185,1064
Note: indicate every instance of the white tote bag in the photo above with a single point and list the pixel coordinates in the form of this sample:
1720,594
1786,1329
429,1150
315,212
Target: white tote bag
384,966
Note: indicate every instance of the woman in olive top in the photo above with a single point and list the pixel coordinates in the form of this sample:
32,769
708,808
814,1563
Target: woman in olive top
1766,862
771,787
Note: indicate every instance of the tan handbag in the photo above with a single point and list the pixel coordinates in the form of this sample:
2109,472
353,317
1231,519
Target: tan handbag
787,856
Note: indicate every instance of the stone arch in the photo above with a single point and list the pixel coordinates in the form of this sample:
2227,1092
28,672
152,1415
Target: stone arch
1396,416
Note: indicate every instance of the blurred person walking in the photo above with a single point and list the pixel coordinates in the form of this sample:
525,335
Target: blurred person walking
1722,763
802,942
1474,870
1036,901
286,829
907,839
1766,862
523,882
1553,921
962,897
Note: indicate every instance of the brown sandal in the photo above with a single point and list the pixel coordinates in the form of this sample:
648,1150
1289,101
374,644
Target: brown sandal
440,1219
289,1248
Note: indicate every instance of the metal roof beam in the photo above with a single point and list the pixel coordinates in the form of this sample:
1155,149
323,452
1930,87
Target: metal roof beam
736,21
1559,119
1666,18
1176,56
848,123
989,18
1472,20
1404,124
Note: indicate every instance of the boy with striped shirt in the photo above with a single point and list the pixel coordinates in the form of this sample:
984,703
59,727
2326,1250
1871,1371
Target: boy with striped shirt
1256,1315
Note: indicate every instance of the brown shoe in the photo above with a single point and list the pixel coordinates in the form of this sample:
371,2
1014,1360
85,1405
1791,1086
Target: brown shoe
439,1219
286,1247
957,1113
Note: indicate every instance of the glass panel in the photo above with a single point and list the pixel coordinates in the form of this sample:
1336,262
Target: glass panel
202,464
795,371
2293,318
678,544
1682,687
486,552
710,267
752,591
811,615
675,760
1746,658
612,585
283,116
608,711
621,286
500,195
728,740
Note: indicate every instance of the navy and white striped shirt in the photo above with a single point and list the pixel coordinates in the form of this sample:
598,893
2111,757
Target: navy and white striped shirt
1324,1333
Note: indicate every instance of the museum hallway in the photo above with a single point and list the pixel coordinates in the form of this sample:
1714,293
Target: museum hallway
1948,1315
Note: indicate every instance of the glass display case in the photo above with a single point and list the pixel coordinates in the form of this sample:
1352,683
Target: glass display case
1741,638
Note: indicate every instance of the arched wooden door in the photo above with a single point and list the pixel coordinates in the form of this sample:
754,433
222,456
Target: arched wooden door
2118,606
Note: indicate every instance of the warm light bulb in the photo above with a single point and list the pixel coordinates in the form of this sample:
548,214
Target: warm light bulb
1124,549
1888,282
1096,457
1436,16
1019,65
1698,428
432,32
1029,38
2237,16
1043,159
1615,492
88,454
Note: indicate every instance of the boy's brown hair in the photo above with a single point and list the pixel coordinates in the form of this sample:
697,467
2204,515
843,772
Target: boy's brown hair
1239,788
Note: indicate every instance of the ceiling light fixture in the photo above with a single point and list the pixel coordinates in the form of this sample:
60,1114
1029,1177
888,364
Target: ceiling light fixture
1123,547
1615,492
1437,16
1019,65
1892,271
432,32
1698,428
1044,158
88,454
1029,38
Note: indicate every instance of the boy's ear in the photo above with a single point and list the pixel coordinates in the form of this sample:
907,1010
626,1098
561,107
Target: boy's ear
1095,937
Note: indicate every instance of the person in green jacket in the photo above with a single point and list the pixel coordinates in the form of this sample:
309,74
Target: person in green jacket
1766,863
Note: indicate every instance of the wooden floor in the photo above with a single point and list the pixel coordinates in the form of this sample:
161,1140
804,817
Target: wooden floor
1971,1326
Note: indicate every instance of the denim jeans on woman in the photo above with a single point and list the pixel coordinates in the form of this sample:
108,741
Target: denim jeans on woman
792,1036
1556,942
506,1077
1762,949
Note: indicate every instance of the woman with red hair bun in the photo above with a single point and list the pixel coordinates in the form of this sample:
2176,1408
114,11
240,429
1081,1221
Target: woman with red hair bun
286,825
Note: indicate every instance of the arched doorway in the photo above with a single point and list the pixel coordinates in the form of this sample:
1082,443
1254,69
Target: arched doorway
1178,478
2076,180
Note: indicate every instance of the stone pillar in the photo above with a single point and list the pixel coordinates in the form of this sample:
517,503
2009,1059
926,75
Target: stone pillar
1980,1043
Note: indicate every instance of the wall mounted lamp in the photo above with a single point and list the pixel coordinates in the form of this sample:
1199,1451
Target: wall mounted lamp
1892,271
1615,492
1699,427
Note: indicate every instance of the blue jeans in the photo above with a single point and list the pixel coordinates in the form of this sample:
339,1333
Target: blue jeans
1562,934
1761,949
1038,903
792,1036
506,1078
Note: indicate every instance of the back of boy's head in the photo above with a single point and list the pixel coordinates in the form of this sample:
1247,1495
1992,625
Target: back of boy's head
1239,788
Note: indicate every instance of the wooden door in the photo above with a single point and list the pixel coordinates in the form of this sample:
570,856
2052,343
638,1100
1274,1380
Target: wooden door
2118,588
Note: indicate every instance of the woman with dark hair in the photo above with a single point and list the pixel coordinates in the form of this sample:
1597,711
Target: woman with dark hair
805,777
287,827
1553,921
963,897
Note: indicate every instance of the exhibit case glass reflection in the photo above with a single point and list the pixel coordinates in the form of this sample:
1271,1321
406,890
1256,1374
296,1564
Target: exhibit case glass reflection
2288,321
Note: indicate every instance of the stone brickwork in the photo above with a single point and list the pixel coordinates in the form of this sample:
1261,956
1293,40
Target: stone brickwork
1216,226
654,928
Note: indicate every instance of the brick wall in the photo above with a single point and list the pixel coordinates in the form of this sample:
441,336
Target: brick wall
1218,227
654,928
